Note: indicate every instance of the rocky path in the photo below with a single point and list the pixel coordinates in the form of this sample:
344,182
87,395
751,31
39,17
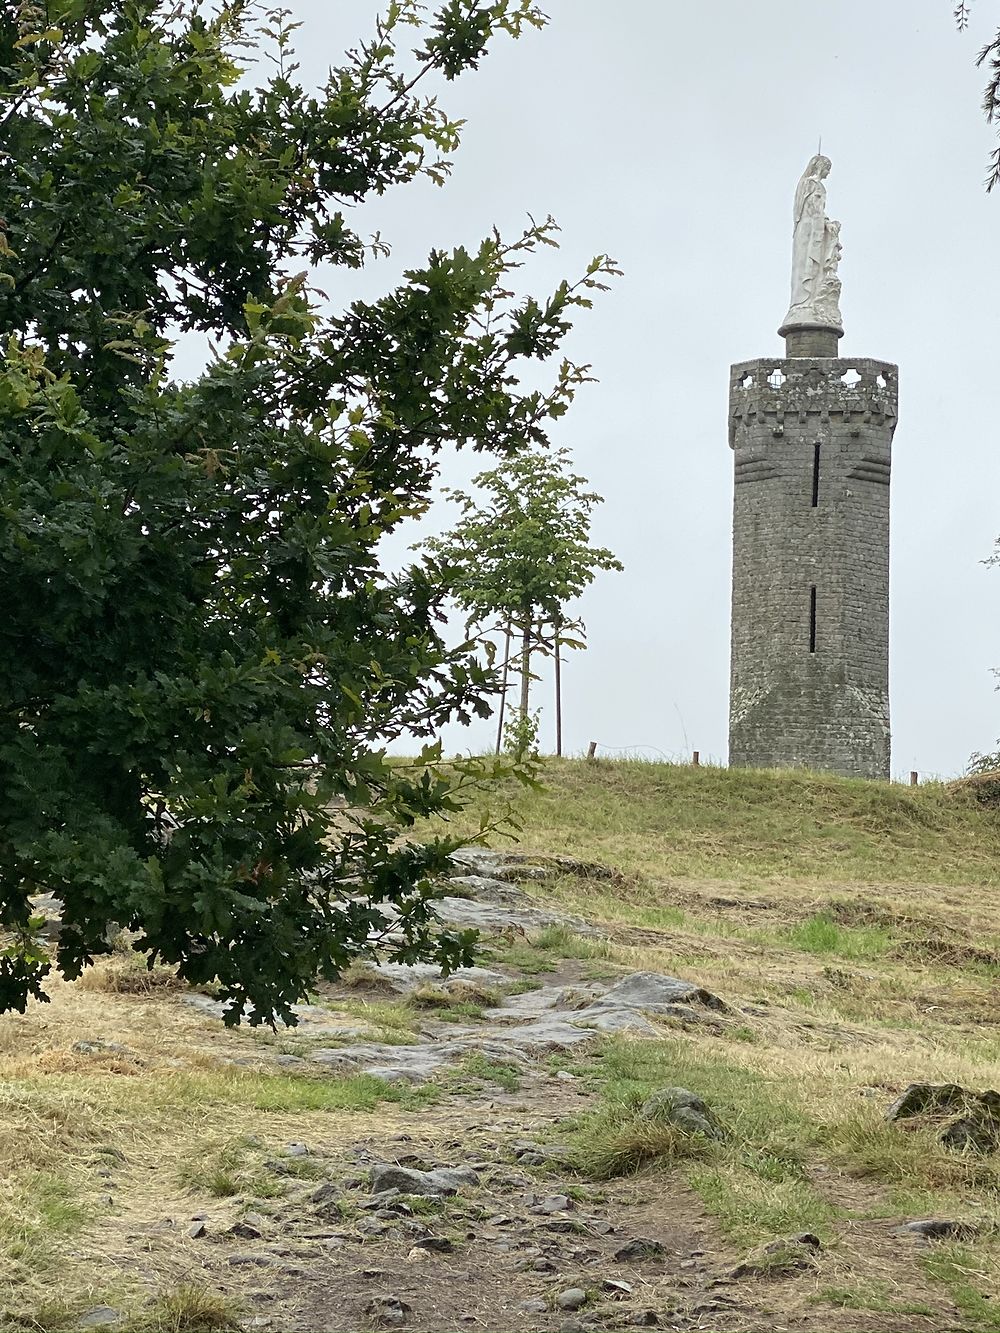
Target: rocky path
463,1212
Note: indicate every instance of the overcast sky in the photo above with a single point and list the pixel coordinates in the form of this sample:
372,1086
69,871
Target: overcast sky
671,136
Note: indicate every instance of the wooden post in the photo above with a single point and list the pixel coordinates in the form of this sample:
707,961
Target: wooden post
914,778
558,697
506,677
591,749
696,758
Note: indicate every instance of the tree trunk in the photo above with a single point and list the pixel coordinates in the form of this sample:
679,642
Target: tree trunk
558,666
506,677
525,666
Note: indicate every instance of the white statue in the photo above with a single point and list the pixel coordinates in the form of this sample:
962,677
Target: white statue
816,251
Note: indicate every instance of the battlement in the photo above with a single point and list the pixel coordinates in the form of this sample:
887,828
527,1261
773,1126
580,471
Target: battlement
846,387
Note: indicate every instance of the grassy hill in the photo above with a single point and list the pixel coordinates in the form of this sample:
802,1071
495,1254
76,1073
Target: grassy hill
734,824
852,933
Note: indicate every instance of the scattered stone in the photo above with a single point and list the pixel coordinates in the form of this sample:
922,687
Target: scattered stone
554,1203
388,1311
683,1109
534,1306
296,1150
645,1319
251,1260
325,1193
436,1245
101,1316
938,1228
196,1230
441,1181
640,1248
963,1119
803,1238
617,1289
573,1298
243,1231
98,1047
780,1258
379,1200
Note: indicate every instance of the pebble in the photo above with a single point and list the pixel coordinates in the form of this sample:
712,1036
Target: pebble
535,1306
573,1298
296,1150
555,1203
640,1248
196,1230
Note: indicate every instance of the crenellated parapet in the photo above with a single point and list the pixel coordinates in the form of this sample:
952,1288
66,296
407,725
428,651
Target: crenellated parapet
770,391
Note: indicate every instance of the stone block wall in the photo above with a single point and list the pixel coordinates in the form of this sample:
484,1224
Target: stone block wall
812,443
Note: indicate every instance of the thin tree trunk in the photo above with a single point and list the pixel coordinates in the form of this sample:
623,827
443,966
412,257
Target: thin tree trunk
558,694
506,677
525,666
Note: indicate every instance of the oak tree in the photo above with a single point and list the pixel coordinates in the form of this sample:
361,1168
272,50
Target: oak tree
201,658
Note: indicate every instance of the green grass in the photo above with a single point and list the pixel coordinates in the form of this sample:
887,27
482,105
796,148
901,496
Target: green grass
51,1206
972,1278
743,824
236,1168
823,936
190,1308
754,1182
876,1296
478,1069
541,951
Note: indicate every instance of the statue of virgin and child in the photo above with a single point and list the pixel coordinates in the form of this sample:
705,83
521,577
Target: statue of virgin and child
816,251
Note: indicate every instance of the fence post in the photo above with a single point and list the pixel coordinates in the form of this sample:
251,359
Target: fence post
914,778
591,749
696,758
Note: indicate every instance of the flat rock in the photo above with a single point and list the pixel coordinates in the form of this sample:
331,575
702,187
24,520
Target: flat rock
443,1180
485,889
491,917
101,1316
407,977
651,992
573,1298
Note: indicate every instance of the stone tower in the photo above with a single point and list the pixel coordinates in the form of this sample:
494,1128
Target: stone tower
812,435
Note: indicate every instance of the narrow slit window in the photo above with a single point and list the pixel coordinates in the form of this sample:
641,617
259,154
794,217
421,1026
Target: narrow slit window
812,619
815,499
